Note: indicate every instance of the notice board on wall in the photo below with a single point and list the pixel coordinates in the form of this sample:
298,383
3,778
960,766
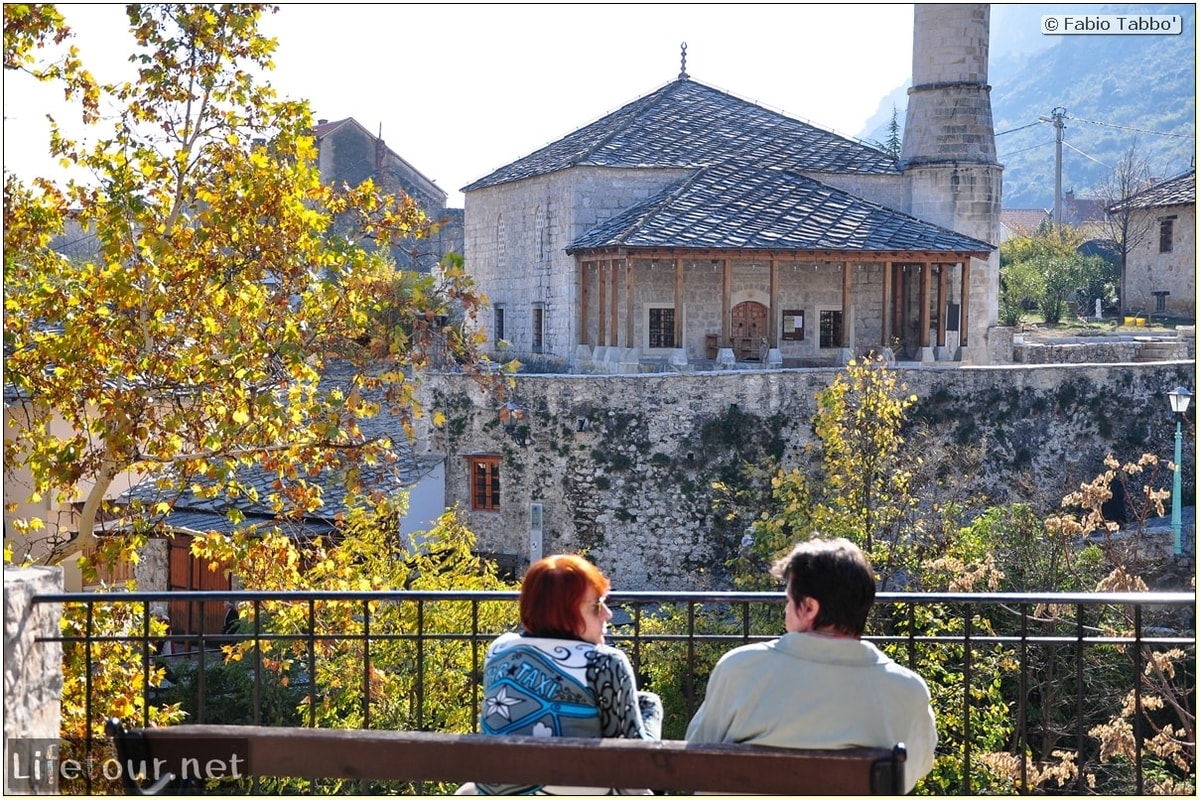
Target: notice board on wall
792,328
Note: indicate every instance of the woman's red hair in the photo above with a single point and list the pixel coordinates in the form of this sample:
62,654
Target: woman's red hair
553,591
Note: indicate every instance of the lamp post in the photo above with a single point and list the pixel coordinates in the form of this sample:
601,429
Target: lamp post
1180,398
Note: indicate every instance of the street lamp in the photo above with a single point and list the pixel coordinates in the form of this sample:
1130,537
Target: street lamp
1180,398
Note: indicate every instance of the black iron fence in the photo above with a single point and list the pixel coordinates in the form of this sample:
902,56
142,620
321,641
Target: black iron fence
1035,693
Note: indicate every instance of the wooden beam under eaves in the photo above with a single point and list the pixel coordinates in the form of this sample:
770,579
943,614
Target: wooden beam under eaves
832,256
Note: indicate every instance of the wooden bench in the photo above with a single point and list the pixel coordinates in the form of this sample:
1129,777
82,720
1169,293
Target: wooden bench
196,752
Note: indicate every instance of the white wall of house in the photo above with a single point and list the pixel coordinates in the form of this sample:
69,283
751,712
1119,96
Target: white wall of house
57,513
426,502
1149,270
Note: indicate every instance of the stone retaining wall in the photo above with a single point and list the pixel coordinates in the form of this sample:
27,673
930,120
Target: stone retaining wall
1104,349
624,466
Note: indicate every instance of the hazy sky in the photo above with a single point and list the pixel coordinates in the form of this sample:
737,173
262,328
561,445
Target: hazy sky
459,90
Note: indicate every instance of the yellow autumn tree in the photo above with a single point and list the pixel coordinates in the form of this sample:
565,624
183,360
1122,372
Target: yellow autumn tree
190,344
364,656
861,486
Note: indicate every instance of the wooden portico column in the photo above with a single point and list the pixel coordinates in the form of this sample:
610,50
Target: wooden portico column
585,299
678,332
965,302
773,306
925,290
847,322
601,332
628,301
942,269
726,307
887,304
899,312
616,310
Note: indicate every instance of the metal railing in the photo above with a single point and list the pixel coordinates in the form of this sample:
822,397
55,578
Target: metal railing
1034,693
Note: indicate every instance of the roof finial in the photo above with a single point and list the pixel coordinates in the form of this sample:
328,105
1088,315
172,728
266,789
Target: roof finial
683,76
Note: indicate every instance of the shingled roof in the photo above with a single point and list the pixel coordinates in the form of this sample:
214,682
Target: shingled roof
732,207
1177,191
186,511
689,125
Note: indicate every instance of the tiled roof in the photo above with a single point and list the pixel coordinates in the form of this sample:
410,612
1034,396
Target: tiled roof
1023,219
205,514
217,522
1080,210
1177,191
324,127
689,125
727,207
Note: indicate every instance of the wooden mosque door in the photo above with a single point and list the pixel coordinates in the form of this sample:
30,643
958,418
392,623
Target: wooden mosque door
747,329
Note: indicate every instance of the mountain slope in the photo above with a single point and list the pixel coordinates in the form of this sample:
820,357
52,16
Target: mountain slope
1118,91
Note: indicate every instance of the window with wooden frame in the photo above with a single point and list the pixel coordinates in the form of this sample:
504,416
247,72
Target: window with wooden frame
661,327
1166,234
831,329
539,327
485,482
498,322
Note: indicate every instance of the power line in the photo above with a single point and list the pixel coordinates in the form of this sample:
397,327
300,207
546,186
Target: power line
1023,127
1101,124
1085,155
1026,149
1128,128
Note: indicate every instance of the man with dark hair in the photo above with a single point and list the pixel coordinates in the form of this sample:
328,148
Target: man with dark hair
819,685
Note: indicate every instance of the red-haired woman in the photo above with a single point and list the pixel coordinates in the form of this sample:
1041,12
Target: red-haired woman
558,677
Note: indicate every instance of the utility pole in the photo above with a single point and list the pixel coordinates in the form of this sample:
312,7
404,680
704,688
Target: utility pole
1057,115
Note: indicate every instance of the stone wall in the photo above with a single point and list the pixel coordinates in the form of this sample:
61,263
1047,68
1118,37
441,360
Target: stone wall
515,237
152,571
349,153
33,679
624,465
1106,349
1151,271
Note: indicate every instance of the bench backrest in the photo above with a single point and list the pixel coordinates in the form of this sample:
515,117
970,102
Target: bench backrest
200,751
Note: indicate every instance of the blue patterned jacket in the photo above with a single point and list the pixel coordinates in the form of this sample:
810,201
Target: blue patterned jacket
535,686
